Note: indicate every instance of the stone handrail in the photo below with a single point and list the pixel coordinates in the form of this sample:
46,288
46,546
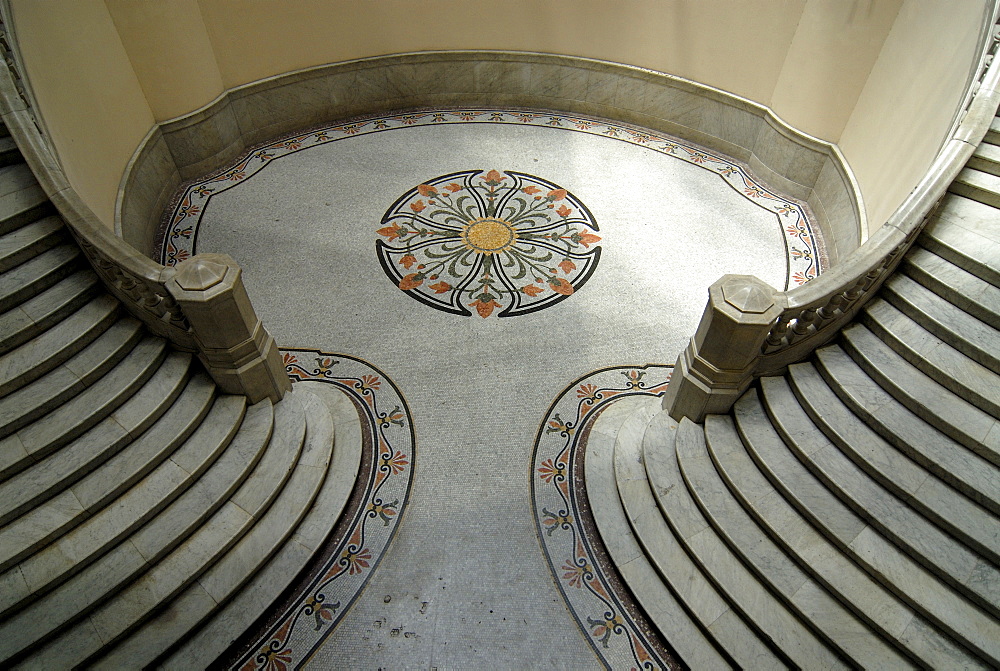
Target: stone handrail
200,306
750,330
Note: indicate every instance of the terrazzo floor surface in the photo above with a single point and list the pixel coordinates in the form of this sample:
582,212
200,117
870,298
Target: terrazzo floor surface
465,577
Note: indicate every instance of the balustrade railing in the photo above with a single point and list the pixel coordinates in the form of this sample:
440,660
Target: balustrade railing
226,333
709,376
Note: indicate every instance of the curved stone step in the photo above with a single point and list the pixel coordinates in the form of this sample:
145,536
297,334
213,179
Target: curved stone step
978,185
782,576
70,553
64,467
921,395
934,357
778,512
968,335
957,286
123,560
776,624
694,643
972,473
93,404
22,199
889,518
201,648
723,637
986,158
934,499
45,310
48,392
29,241
38,274
229,574
960,232
166,574
44,352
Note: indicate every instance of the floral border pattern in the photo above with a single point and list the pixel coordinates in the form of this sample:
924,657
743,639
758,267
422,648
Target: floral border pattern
590,585
802,250
362,538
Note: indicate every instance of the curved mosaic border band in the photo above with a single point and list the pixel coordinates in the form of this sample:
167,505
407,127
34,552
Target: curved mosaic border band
601,604
363,536
803,260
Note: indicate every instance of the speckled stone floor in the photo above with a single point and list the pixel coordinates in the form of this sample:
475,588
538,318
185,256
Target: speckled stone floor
483,260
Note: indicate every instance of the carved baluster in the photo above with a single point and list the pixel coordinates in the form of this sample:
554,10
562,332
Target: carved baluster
832,308
776,337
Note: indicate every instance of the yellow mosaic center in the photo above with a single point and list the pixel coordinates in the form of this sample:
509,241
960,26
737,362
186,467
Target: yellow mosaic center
489,235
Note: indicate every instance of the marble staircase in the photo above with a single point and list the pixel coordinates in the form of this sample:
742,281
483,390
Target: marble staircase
847,513
145,517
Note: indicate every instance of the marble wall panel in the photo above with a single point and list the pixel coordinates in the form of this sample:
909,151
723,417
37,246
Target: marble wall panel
151,182
195,141
844,225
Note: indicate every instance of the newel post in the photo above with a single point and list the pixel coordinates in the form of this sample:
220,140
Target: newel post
718,364
237,350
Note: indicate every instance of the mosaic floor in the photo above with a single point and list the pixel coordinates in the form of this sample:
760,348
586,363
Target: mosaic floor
494,280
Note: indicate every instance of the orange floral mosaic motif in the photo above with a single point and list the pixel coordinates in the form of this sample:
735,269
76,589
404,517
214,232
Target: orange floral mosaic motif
503,243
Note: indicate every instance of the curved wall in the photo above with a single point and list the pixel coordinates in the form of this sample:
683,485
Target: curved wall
104,71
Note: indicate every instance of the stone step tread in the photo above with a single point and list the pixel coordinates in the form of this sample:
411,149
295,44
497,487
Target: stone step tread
964,231
972,337
52,347
62,557
934,357
224,579
38,274
788,508
943,583
22,199
993,134
944,410
69,378
93,404
203,646
986,157
739,587
723,630
98,532
167,574
959,287
695,645
101,442
971,473
978,185
943,505
769,563
44,310
29,241
118,561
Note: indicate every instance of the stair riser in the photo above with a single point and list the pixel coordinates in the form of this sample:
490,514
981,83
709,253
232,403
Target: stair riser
36,328
928,368
25,217
975,193
37,247
41,283
950,294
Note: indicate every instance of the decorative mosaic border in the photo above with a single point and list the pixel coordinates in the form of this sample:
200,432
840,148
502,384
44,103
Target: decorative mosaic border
366,529
803,258
595,594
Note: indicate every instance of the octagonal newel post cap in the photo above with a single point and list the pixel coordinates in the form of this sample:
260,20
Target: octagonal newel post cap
745,298
204,276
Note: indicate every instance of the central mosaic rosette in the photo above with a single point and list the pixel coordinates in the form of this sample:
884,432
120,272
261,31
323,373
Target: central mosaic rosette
493,240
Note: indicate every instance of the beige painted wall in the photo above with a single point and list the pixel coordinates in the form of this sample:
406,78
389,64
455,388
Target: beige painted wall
908,102
736,46
834,48
170,52
865,73
87,90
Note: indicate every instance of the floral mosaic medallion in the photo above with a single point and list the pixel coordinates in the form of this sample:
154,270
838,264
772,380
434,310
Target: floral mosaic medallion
494,241
589,582
312,608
